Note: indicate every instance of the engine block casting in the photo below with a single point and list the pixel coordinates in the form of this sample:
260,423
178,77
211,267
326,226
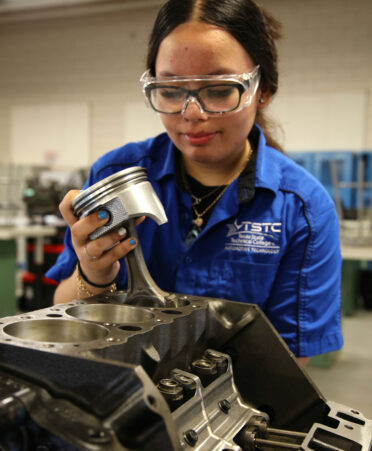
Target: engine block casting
211,374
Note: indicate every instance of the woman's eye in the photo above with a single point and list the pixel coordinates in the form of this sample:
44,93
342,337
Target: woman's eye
170,94
219,92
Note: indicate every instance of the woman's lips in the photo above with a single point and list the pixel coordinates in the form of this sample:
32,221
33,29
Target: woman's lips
199,139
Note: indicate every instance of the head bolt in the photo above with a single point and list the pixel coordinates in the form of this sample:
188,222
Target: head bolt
190,437
204,366
186,381
220,361
170,389
224,405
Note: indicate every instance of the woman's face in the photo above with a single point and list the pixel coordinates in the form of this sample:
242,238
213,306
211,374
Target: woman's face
196,48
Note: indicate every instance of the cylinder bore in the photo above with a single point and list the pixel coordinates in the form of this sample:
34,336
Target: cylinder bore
110,313
56,331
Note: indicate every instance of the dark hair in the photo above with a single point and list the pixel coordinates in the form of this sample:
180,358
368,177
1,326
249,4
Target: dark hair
251,25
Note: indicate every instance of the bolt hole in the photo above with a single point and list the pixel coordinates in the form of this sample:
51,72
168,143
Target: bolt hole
93,433
171,312
130,328
152,401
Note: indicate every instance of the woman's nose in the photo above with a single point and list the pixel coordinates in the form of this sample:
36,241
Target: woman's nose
193,110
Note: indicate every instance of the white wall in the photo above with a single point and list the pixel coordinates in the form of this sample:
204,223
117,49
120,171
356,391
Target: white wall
326,52
97,60
50,134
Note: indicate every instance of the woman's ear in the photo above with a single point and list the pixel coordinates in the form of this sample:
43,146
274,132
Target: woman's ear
263,99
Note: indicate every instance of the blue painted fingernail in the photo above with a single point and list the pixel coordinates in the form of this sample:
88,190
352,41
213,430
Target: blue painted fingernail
132,242
102,214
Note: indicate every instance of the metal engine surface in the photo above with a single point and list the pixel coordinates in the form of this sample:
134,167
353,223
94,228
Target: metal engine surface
209,374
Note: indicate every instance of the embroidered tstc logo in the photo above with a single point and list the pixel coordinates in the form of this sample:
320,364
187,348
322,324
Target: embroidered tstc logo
254,237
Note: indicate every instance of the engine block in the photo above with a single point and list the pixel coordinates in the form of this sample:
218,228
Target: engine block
209,374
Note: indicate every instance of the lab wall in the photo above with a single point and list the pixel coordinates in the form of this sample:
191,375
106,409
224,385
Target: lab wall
94,61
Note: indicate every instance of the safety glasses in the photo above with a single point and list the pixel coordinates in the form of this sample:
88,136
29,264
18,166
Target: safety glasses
214,94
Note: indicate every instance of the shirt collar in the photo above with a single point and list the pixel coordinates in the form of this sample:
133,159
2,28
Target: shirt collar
268,173
262,171
165,158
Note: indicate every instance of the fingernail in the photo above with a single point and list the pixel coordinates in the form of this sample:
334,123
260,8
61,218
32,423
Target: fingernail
102,214
122,231
132,242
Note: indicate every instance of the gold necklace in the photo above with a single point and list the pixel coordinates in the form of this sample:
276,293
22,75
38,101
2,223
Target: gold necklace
199,216
198,221
197,200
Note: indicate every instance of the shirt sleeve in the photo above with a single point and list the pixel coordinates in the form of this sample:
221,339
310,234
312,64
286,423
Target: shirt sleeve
305,302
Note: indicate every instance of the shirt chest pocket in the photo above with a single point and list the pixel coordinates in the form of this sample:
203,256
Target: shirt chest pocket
241,281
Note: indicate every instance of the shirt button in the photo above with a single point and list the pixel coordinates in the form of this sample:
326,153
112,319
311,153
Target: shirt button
188,259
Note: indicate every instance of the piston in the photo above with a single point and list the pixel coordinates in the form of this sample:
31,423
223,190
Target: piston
125,196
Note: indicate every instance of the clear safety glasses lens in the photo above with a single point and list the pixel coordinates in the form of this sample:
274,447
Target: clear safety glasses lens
220,98
218,94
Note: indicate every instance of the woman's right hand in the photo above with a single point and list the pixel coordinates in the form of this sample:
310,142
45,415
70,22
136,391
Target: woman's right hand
99,259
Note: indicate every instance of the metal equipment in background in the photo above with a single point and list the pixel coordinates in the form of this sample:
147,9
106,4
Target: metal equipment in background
143,369
44,191
12,182
357,231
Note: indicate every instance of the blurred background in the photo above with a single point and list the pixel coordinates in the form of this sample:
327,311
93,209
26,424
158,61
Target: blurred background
69,91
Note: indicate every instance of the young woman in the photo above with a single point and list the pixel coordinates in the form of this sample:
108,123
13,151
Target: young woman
244,222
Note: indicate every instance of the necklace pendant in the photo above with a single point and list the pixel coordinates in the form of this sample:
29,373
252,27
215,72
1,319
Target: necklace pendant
196,200
198,221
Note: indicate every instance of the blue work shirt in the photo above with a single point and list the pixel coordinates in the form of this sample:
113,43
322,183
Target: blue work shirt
276,246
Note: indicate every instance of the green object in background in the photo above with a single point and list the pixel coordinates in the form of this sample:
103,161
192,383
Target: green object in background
350,288
8,266
324,360
350,285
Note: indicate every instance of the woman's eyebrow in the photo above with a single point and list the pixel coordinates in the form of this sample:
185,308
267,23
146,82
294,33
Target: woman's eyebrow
216,72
